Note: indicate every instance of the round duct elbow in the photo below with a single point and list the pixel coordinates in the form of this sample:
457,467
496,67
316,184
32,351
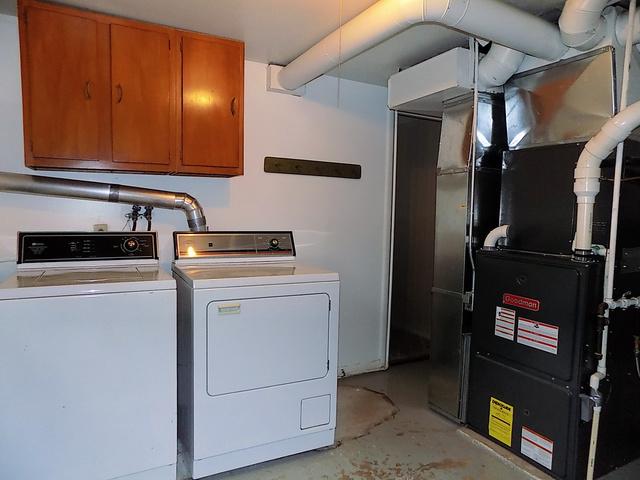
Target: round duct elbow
498,66
582,25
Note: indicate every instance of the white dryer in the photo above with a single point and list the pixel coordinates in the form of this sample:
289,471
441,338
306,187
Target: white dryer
257,350
88,360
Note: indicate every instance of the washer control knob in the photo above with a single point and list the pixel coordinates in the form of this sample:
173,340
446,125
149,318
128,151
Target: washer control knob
274,243
131,245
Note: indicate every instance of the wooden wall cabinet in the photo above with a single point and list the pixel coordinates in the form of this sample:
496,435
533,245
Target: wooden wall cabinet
106,93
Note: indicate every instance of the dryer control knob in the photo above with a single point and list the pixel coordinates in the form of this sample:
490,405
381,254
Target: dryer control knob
131,245
274,243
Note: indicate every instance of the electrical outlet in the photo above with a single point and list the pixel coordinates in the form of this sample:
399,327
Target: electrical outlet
100,227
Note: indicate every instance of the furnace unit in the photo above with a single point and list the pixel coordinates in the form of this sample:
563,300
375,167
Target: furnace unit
538,312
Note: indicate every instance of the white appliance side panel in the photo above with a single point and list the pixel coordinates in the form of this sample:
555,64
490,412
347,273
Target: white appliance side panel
263,342
88,385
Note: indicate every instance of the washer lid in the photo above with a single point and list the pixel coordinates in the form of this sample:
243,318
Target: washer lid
84,281
233,275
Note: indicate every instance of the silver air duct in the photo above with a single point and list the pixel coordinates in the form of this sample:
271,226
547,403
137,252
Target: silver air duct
106,192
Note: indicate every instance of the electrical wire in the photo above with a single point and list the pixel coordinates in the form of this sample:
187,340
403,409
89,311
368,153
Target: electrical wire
472,162
339,89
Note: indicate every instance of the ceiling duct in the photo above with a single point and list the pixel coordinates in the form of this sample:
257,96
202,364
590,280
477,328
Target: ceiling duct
488,19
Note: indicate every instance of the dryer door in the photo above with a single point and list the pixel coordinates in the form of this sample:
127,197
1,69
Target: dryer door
261,342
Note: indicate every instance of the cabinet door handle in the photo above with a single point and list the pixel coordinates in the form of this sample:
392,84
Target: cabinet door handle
87,90
119,93
234,106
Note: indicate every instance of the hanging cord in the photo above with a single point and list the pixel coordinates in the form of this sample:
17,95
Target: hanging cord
636,352
133,217
148,216
339,89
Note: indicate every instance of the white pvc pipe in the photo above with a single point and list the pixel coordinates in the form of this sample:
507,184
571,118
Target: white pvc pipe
581,23
594,441
601,371
489,19
498,66
494,235
622,24
587,172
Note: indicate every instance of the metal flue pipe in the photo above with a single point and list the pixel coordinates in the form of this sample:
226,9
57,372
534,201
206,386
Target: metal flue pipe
106,192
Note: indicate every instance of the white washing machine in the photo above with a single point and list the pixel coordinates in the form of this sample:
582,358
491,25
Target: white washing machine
257,350
88,360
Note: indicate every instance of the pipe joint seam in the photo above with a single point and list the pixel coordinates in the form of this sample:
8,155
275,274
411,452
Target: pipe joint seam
448,12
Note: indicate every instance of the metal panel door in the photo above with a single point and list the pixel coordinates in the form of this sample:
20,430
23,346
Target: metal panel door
261,342
447,295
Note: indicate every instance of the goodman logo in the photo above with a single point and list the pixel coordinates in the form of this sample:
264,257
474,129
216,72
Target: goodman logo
522,302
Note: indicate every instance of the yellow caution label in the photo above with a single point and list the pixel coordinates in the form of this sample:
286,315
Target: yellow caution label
500,421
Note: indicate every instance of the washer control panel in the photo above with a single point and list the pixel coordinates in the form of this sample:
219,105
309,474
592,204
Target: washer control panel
233,244
38,247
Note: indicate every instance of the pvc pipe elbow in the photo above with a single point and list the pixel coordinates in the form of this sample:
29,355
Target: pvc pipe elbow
495,235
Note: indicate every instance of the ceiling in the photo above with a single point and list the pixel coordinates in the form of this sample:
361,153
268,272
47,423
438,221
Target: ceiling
276,31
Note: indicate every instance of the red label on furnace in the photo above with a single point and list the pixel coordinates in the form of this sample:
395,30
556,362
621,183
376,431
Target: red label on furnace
522,302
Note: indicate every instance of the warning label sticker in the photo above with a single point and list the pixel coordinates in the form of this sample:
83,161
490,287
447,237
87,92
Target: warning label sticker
541,336
500,421
505,323
537,447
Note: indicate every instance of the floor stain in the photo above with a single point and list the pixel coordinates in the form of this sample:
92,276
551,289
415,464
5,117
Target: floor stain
373,470
360,410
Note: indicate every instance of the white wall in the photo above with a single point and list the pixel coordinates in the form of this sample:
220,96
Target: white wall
340,224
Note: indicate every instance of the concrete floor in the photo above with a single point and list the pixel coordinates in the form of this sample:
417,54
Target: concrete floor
416,444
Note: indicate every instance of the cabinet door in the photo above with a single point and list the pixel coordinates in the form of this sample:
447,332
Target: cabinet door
62,86
212,105
141,90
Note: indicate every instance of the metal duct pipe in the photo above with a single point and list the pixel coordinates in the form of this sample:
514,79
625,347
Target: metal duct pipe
498,66
105,192
487,19
587,172
582,25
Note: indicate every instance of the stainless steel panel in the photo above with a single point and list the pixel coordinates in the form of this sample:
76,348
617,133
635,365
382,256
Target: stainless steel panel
567,101
490,123
451,224
446,359
241,244
455,139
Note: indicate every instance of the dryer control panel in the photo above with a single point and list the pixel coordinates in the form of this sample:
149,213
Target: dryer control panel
191,245
41,247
